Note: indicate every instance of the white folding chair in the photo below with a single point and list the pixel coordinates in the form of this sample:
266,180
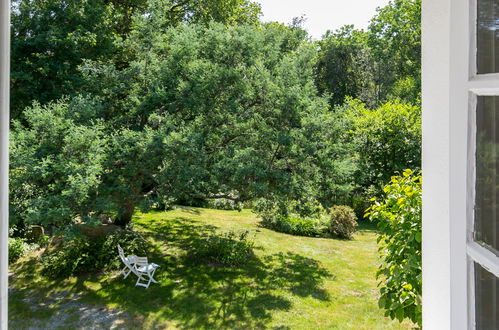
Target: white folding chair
144,271
140,267
128,261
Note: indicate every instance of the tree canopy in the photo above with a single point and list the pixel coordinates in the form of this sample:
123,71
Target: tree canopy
208,112
189,100
52,38
377,65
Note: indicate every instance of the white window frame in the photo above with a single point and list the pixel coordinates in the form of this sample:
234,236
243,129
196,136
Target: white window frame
450,88
4,156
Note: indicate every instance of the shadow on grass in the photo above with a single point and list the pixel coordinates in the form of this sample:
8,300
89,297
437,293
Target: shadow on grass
367,226
193,294
188,209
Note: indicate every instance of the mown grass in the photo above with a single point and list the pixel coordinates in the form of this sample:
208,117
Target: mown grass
292,283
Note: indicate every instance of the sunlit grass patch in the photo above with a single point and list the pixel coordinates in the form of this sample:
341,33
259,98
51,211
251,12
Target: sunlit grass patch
292,282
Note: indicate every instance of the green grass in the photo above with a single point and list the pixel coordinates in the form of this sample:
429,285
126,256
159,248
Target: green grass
293,283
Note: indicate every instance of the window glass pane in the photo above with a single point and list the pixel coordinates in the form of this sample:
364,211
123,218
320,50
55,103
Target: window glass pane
487,171
488,36
486,299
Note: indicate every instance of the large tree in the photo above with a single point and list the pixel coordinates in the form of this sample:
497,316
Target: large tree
211,112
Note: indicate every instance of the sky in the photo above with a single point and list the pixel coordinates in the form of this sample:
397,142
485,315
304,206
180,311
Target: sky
322,15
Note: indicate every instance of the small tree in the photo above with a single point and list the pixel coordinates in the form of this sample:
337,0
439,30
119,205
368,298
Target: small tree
399,221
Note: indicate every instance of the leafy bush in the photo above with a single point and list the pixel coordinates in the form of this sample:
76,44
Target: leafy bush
81,254
224,204
17,248
399,221
308,207
229,249
303,218
268,209
71,257
295,225
342,221
131,242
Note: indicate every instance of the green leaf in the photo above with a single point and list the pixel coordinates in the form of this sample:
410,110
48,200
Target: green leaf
399,314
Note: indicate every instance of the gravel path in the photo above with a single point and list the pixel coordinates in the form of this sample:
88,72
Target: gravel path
72,313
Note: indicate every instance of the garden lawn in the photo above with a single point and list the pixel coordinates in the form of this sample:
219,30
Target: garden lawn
292,283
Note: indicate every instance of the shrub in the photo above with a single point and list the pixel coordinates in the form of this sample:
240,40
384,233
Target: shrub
17,248
71,257
224,204
131,242
268,209
304,218
342,221
229,249
295,225
399,221
82,254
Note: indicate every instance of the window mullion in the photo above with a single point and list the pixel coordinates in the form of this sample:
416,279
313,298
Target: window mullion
483,256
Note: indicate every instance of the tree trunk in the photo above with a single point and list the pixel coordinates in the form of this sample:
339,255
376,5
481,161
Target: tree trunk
126,213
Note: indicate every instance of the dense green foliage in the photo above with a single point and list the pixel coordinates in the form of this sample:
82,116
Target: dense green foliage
342,221
395,41
17,248
377,65
161,113
307,218
121,105
398,217
52,38
303,218
296,225
185,121
56,164
388,140
76,254
344,67
227,249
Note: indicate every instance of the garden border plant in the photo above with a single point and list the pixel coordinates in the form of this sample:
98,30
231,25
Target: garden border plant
227,249
308,218
398,217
